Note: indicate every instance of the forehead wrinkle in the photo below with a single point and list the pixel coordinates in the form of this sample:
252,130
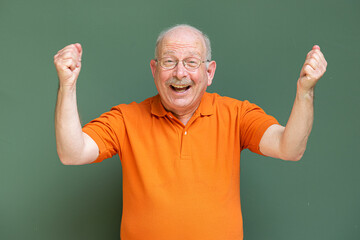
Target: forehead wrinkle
190,53
175,46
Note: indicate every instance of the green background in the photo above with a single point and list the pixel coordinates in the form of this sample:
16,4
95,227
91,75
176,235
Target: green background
259,46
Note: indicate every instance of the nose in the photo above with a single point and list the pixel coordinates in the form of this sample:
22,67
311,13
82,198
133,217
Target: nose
180,71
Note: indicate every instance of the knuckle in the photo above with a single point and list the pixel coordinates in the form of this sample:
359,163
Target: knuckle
56,61
314,61
67,54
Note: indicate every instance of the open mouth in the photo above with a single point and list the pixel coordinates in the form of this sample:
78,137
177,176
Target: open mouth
179,88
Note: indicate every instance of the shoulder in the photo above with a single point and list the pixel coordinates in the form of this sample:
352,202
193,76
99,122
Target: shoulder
229,103
136,112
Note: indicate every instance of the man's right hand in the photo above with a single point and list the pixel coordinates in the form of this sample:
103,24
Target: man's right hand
68,64
74,147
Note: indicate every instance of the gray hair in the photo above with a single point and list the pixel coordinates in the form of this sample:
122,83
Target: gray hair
166,31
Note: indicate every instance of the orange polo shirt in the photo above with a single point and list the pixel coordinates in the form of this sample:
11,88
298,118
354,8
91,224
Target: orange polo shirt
180,182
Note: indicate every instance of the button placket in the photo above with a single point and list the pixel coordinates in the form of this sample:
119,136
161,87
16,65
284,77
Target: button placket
185,145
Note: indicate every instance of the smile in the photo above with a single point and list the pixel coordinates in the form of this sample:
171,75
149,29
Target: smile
179,88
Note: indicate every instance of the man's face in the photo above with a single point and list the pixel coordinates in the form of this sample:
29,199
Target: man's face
181,90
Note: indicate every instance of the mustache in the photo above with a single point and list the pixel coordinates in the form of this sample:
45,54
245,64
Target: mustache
175,81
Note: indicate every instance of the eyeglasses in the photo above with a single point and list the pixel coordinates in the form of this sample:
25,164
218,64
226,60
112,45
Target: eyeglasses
190,63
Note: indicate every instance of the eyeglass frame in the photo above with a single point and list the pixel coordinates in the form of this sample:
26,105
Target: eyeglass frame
183,62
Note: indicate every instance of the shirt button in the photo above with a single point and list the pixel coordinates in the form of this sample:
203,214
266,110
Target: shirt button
185,132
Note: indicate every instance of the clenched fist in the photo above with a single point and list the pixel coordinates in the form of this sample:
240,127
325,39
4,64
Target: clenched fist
312,70
68,64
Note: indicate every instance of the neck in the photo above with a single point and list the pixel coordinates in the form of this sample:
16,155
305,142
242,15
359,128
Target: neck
184,118
183,115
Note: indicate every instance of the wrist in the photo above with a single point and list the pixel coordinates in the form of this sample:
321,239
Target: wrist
303,92
67,89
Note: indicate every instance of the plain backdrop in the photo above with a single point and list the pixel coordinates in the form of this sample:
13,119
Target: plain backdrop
259,46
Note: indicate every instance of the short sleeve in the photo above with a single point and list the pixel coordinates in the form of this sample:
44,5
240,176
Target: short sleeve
108,132
253,124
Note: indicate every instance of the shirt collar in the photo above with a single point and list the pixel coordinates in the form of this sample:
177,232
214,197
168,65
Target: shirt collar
205,108
157,107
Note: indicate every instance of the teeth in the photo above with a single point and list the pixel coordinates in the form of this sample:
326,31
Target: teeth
179,86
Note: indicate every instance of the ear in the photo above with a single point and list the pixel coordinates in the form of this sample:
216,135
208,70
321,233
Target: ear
153,66
210,71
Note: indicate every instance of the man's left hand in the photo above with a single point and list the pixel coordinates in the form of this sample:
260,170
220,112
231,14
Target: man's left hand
312,70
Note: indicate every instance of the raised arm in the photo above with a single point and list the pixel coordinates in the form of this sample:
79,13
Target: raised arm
73,146
289,143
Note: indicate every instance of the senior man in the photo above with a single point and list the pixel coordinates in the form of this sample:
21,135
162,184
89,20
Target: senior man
180,150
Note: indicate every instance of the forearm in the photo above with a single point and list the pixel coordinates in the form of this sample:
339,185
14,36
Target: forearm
68,131
289,143
74,147
296,133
